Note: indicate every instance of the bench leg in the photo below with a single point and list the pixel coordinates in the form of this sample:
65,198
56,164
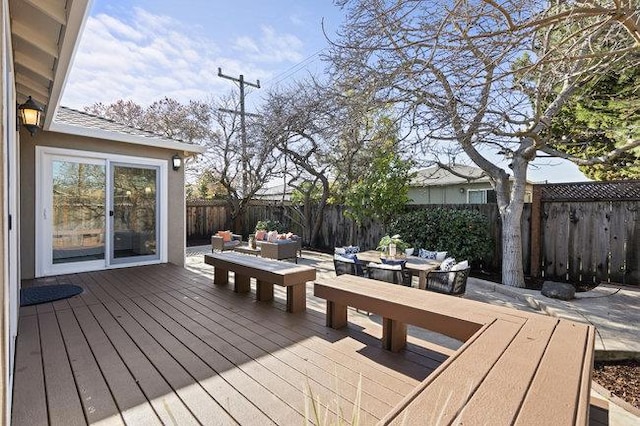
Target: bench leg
394,335
220,276
297,297
336,315
242,283
264,291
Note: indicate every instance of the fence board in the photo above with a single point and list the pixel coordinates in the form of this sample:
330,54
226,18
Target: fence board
632,219
617,240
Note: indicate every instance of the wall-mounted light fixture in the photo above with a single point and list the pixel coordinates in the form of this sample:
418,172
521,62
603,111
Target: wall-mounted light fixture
176,161
30,113
462,190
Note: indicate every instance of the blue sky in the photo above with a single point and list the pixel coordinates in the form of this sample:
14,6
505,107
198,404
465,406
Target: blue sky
144,50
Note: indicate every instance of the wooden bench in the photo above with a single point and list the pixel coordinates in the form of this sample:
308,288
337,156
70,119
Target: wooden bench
266,272
514,367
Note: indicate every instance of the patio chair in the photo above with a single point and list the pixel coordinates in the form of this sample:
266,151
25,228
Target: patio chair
219,244
395,274
347,265
448,282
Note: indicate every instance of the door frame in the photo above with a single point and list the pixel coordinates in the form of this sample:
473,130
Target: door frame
43,243
110,253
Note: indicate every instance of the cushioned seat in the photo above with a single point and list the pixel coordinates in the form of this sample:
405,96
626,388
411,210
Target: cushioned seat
395,274
347,265
448,282
218,242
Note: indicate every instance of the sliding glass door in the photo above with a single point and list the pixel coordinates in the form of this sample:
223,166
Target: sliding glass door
77,212
95,213
134,214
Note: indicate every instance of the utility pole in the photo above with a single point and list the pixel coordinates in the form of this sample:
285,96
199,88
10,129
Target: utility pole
243,129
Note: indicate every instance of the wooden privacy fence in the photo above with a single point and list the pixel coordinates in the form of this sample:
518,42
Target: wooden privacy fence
583,233
587,233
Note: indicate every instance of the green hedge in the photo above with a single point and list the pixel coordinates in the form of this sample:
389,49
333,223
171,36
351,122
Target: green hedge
464,234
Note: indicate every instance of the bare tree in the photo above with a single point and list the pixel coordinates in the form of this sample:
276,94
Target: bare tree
295,119
188,122
484,77
240,175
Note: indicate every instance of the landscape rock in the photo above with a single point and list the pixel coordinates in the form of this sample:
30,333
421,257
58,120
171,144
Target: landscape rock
562,291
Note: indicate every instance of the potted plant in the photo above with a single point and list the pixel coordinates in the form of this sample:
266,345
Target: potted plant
390,245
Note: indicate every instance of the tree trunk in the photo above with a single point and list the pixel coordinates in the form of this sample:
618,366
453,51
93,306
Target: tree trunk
510,204
512,266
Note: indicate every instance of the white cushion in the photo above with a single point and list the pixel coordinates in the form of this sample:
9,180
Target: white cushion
343,259
441,256
460,266
385,266
339,250
447,264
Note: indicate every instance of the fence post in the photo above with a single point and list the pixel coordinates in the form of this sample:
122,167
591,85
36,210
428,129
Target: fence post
536,230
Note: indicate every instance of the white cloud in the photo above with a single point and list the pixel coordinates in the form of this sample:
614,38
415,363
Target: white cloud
146,57
271,46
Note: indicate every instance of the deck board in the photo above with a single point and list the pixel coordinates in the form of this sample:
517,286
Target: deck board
95,396
163,345
63,402
130,399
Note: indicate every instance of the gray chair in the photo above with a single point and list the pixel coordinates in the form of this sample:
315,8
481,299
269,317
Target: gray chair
448,282
218,243
348,266
390,274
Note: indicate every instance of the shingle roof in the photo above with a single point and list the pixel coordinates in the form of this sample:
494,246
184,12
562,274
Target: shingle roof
74,117
436,175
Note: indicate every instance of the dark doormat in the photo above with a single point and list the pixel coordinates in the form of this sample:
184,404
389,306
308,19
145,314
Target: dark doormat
47,293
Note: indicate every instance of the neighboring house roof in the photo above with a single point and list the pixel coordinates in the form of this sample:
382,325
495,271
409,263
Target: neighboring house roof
437,176
274,192
71,121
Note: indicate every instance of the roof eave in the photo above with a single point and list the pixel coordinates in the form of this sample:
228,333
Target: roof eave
126,138
76,19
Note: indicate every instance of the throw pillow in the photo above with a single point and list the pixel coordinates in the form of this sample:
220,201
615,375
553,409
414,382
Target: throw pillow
261,235
393,261
339,250
226,236
352,249
272,236
460,266
447,264
426,254
289,235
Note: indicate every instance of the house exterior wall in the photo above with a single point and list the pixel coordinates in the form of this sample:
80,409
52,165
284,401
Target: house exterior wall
176,240
452,194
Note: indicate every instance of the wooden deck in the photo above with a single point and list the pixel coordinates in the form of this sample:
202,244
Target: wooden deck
163,345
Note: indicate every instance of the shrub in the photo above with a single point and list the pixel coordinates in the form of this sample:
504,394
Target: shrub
270,225
464,234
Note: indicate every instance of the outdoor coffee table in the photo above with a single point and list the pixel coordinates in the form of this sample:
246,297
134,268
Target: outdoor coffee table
247,250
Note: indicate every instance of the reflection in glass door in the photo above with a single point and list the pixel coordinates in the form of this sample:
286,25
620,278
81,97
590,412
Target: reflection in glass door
78,211
134,213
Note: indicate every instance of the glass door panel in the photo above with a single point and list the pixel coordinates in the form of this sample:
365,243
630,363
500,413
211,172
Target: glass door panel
135,213
78,212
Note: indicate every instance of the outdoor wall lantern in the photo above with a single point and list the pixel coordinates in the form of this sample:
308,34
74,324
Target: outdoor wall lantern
462,190
30,113
177,162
